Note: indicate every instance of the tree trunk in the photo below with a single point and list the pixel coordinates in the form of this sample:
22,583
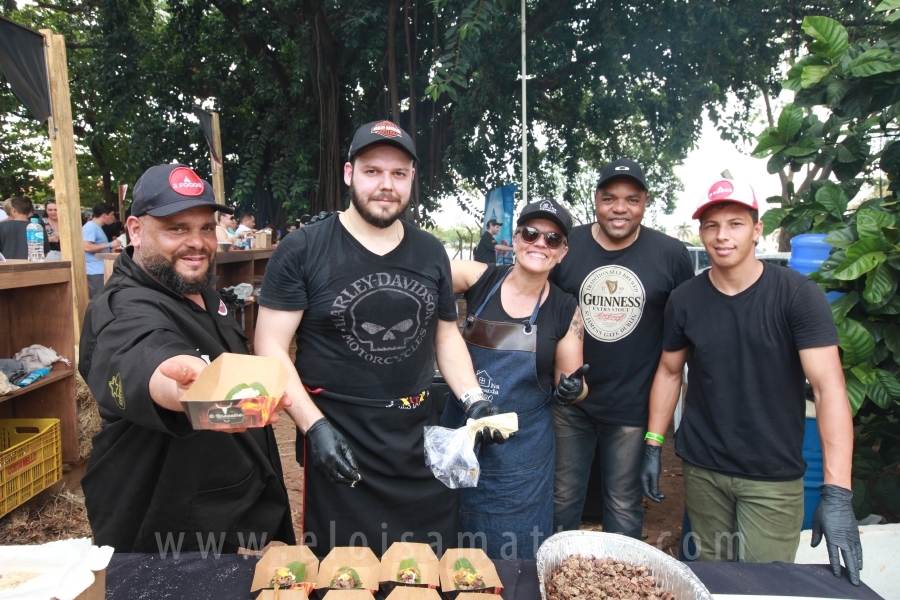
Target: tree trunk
393,8
412,212
323,70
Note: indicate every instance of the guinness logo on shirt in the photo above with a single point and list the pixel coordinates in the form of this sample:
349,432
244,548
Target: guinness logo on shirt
612,301
383,318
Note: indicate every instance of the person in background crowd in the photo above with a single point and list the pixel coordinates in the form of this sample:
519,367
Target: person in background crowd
13,237
371,301
304,220
741,434
225,231
522,370
291,228
6,210
248,224
622,274
485,251
51,225
151,478
114,229
96,242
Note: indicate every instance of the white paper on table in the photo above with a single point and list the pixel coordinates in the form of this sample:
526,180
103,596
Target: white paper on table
66,568
122,240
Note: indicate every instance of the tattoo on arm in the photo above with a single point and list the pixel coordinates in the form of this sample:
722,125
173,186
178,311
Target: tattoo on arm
576,326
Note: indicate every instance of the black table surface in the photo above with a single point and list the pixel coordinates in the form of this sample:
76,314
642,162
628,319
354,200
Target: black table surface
191,576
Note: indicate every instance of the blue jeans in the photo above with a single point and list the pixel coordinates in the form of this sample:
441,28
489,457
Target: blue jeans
621,453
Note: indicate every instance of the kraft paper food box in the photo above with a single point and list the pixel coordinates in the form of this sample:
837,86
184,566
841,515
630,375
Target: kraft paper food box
275,557
283,595
348,595
407,592
362,560
235,391
479,561
425,560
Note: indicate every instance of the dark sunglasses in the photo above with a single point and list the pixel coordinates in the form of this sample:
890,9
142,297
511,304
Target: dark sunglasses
531,234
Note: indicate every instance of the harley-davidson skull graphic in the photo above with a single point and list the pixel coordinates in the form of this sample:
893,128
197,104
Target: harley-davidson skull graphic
383,317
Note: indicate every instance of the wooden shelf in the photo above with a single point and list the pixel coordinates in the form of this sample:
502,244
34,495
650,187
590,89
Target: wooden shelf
47,379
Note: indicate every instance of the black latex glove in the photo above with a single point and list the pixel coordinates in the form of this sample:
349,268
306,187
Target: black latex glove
320,217
650,471
834,517
570,387
479,410
331,456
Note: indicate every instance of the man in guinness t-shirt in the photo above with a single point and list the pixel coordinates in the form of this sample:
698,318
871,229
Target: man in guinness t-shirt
371,300
621,273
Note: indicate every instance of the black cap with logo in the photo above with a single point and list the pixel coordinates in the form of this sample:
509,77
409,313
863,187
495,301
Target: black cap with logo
622,168
494,222
381,132
547,209
164,190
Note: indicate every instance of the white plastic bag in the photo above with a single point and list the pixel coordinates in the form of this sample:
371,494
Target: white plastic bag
450,453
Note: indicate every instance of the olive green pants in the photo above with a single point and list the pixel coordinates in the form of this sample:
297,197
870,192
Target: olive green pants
751,521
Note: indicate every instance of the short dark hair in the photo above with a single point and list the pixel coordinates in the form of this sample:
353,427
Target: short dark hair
754,214
102,208
247,215
22,205
49,201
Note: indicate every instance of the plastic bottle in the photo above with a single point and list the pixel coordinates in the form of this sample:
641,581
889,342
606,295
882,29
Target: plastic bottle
34,233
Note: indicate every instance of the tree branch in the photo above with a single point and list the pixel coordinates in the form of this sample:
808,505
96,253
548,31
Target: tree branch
66,9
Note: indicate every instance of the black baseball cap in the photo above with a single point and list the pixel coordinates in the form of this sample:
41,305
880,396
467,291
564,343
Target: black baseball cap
164,190
547,209
381,132
493,222
623,167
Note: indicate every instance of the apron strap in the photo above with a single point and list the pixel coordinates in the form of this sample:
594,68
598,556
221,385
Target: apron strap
534,315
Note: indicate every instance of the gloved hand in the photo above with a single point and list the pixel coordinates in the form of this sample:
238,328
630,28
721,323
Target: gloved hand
834,517
331,456
570,388
479,410
650,472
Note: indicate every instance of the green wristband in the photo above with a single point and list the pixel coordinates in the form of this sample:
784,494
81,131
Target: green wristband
655,437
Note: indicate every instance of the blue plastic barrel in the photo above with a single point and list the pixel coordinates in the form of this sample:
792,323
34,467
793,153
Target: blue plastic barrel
808,252
815,471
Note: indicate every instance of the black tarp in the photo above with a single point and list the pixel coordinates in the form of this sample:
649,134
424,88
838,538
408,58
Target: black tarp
206,126
24,64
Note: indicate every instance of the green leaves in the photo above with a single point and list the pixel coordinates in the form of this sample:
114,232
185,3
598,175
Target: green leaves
869,222
873,61
841,306
833,198
855,341
831,37
862,257
878,283
789,121
768,144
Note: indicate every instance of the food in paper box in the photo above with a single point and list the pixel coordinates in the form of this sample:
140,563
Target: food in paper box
465,577
346,578
409,564
348,568
409,571
235,391
291,577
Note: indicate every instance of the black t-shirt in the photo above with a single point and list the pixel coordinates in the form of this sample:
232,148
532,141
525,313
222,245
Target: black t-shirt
13,239
552,323
484,251
745,406
622,295
369,321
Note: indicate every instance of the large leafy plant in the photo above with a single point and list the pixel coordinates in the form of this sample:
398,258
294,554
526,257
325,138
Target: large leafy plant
859,85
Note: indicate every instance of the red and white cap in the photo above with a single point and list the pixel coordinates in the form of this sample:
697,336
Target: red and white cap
727,190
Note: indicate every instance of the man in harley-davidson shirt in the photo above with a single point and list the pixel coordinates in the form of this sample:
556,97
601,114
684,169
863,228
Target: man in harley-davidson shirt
153,484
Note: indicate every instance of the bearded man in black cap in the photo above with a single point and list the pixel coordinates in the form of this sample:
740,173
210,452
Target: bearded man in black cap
370,298
621,273
153,484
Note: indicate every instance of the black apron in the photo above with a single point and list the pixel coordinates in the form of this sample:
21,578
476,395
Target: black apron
398,498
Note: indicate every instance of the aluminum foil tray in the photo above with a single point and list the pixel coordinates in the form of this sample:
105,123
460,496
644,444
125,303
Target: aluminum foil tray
671,575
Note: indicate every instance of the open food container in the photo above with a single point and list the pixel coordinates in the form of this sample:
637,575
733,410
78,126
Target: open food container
353,568
235,391
409,564
405,592
469,565
296,568
671,576
348,595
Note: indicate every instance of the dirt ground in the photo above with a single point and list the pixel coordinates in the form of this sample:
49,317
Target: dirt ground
662,522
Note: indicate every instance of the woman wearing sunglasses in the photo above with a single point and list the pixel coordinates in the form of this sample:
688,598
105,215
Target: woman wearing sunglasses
525,336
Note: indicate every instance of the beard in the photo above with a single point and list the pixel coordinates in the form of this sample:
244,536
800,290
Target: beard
382,219
164,270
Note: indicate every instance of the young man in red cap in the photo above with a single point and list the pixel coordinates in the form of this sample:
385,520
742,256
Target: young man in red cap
742,430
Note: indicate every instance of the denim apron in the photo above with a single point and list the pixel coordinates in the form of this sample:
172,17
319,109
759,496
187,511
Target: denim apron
511,510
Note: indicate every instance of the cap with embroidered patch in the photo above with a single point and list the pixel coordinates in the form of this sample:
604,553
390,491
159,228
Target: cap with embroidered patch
727,190
164,190
547,209
623,167
381,132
